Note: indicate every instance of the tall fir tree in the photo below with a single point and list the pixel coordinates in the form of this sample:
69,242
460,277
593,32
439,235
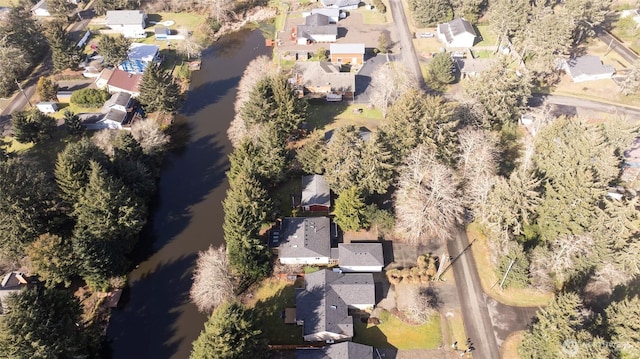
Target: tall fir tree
159,91
349,211
73,167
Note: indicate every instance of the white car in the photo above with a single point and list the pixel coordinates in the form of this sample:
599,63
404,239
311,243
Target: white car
425,35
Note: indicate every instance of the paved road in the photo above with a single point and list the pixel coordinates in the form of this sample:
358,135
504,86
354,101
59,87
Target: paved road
408,51
632,113
616,45
477,321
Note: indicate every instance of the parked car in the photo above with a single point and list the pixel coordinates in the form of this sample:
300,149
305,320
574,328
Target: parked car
425,35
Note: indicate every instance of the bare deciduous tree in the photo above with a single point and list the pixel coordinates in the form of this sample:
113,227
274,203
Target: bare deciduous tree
388,83
477,158
105,139
257,70
427,201
190,45
151,137
213,282
424,302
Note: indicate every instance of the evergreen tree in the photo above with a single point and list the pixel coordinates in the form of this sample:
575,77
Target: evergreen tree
59,8
109,219
350,210
508,18
65,53
159,91
47,90
43,324
27,201
623,324
311,154
230,334
73,123
114,50
51,258
343,156
441,68
73,167
376,170
430,13
33,126
23,32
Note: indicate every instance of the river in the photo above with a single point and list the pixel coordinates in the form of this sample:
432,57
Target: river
156,319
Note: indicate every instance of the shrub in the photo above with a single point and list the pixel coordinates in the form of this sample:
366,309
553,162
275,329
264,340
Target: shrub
89,97
380,6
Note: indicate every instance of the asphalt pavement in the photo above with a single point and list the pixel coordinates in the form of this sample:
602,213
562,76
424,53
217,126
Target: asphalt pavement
409,56
615,45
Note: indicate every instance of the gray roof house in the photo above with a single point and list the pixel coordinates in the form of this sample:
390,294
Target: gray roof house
322,306
363,132
316,196
587,68
332,13
344,350
305,240
341,4
360,257
320,78
316,28
12,282
130,23
457,33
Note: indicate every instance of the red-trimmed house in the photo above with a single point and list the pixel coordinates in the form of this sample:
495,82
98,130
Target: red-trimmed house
316,196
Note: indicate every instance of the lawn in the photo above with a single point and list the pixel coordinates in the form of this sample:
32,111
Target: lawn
328,115
8,3
427,47
47,151
268,304
394,333
455,327
373,17
486,36
62,107
488,277
283,193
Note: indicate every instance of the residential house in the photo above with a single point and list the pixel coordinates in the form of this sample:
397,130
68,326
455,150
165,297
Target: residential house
316,196
47,107
305,240
347,53
322,306
161,32
473,67
118,113
363,132
40,9
344,350
317,79
316,28
360,257
587,68
116,80
12,282
341,4
457,33
139,57
332,13
130,23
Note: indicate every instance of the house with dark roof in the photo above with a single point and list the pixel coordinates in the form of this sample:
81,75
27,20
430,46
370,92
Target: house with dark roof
316,196
316,28
360,257
344,350
363,132
322,306
130,23
332,13
341,4
305,240
118,113
12,282
347,53
457,33
318,79
161,32
139,57
587,68
40,9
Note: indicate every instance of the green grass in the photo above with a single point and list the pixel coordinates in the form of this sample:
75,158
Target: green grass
487,36
373,17
394,333
62,107
268,303
45,152
282,195
327,115
482,54
14,146
455,327
8,3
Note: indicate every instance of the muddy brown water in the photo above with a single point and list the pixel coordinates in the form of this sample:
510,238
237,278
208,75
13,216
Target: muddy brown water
155,319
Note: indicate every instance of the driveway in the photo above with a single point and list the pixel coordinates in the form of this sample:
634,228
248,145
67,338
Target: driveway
573,105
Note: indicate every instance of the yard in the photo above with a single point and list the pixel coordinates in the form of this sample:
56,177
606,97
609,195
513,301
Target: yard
486,37
326,115
62,107
268,304
488,277
45,152
283,196
394,333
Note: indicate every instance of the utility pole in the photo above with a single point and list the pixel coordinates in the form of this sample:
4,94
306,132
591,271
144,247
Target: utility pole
507,272
456,258
23,94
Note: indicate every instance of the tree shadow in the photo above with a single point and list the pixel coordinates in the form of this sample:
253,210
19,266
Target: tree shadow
321,113
268,314
140,323
208,94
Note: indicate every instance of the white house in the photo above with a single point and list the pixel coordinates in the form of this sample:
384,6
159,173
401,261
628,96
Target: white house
47,107
587,68
40,9
130,23
332,13
457,33
305,240
139,57
341,4
322,306
316,28
360,257
117,113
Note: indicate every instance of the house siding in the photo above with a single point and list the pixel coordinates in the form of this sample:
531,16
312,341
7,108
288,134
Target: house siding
355,59
463,40
363,269
316,208
322,38
305,260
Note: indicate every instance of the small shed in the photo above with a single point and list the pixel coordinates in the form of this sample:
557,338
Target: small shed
47,107
162,32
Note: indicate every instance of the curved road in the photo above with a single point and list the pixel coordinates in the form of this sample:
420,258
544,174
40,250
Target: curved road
408,51
616,45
